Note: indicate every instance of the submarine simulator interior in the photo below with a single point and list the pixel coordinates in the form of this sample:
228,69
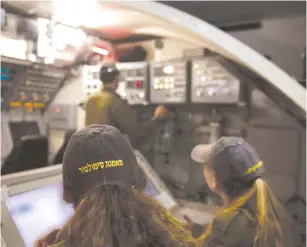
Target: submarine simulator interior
229,76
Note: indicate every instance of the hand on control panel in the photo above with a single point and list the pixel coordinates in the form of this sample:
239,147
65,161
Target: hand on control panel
161,112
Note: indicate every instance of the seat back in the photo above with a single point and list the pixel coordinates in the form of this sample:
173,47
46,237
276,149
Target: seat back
58,158
30,153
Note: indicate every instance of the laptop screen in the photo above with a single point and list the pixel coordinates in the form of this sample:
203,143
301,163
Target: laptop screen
38,211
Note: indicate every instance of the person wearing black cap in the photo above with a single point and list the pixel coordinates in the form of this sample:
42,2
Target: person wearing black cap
252,215
102,180
106,107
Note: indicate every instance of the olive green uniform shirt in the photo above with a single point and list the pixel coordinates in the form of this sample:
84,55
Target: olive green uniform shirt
106,107
238,229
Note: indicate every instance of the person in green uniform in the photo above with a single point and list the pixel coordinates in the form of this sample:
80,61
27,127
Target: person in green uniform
106,107
102,180
251,215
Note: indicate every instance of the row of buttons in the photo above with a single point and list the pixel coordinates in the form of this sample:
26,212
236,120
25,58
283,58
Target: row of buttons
23,96
133,73
211,91
163,86
164,80
92,86
137,95
36,89
206,78
44,79
53,85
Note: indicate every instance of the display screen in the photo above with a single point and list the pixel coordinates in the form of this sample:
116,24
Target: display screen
135,73
39,211
135,84
166,70
7,73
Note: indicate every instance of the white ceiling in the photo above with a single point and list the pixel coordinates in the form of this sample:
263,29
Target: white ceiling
113,20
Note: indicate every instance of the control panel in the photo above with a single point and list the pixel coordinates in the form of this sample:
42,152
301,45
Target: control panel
29,86
133,82
169,82
11,74
212,83
91,80
63,116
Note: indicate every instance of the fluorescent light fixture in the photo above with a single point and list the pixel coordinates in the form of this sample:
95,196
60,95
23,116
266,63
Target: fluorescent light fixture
100,51
68,36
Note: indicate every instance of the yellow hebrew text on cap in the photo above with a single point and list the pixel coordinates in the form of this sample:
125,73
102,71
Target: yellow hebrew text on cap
254,168
100,165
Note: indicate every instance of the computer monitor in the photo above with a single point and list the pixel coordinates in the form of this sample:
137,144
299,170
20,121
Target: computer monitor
32,202
39,211
32,205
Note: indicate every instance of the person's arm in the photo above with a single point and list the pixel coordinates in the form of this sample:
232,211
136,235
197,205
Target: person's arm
231,229
127,120
90,108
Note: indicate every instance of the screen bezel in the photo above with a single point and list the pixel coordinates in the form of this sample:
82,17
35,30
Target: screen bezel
14,184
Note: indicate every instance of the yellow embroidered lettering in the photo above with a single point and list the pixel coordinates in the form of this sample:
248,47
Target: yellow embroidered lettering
96,166
101,165
89,167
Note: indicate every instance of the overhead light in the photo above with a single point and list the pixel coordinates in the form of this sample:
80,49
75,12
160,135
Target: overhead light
84,13
72,12
100,51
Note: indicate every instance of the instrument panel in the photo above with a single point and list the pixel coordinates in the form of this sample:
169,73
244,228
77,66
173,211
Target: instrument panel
91,80
133,82
168,82
30,87
11,75
212,83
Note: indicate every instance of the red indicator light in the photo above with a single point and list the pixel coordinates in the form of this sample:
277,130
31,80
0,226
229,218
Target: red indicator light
58,109
138,84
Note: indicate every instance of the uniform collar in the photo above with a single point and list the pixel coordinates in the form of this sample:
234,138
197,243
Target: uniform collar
109,89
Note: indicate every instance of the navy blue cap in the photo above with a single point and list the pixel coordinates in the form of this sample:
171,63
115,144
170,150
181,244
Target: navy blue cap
233,152
98,154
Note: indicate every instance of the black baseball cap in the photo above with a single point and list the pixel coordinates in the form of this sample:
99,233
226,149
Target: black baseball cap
231,154
99,154
108,73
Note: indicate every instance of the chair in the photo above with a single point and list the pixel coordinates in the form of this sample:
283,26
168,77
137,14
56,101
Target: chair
30,153
58,158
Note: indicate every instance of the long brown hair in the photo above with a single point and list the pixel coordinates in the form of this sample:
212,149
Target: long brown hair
270,213
116,216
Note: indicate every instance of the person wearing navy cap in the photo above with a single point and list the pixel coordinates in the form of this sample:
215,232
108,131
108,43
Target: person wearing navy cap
107,107
252,215
102,180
